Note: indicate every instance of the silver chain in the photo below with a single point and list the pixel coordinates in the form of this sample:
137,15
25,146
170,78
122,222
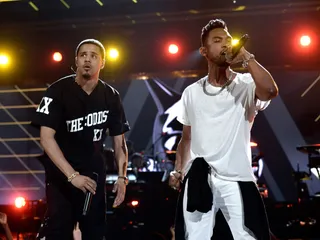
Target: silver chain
221,89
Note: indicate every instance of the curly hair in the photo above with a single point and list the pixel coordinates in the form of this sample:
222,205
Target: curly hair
212,24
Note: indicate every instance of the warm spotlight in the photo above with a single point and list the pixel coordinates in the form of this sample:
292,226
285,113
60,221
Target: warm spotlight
253,144
305,40
173,49
113,54
134,203
4,60
20,202
57,57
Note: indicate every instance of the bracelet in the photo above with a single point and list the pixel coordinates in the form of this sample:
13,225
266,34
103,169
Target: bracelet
178,171
73,175
125,179
246,62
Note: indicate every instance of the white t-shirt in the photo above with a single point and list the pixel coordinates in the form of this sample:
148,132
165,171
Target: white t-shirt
221,124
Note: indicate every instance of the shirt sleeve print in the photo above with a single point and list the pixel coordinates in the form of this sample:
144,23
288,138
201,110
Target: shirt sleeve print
49,111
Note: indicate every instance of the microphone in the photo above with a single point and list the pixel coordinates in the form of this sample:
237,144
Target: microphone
88,199
240,44
225,56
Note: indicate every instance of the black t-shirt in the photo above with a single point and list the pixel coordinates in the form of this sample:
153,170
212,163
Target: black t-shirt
81,121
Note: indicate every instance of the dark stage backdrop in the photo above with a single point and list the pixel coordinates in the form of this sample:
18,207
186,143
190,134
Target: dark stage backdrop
292,119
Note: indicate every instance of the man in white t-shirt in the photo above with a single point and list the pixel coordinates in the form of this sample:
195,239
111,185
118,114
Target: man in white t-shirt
217,113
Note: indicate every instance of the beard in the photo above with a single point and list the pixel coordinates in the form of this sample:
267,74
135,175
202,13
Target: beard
221,61
86,76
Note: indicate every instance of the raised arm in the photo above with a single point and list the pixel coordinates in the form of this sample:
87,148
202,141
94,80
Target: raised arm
266,88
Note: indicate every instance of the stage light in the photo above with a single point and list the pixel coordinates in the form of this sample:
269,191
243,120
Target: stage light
4,60
134,203
253,144
57,57
113,54
173,49
20,202
305,40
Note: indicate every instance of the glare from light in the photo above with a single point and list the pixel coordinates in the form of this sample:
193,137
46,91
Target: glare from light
20,202
4,60
57,57
143,77
239,8
173,49
305,41
253,144
235,41
134,203
113,53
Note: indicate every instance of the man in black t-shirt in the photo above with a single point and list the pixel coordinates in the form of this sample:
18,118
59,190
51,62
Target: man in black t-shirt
73,116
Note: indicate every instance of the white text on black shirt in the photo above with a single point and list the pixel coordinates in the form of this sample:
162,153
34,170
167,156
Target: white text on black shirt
92,119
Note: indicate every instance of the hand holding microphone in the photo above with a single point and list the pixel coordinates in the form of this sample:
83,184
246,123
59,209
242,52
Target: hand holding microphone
84,183
238,47
237,54
89,195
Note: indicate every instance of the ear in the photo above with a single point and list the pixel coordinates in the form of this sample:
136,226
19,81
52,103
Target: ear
203,51
102,65
76,61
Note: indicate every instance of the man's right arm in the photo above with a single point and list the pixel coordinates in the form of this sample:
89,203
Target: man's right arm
182,157
54,152
183,149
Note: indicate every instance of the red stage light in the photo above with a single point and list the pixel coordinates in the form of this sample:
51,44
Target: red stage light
57,57
173,49
20,202
305,40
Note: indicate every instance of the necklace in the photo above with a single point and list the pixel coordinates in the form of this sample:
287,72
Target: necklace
221,89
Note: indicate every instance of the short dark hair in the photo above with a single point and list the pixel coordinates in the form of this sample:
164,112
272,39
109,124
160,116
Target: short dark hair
212,24
92,41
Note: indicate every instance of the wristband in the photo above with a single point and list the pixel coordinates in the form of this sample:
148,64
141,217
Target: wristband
245,62
125,179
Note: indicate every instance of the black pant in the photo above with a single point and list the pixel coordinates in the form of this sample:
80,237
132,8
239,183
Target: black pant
64,209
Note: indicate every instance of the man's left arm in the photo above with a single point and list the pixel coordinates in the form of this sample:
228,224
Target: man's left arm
266,88
117,126
121,156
